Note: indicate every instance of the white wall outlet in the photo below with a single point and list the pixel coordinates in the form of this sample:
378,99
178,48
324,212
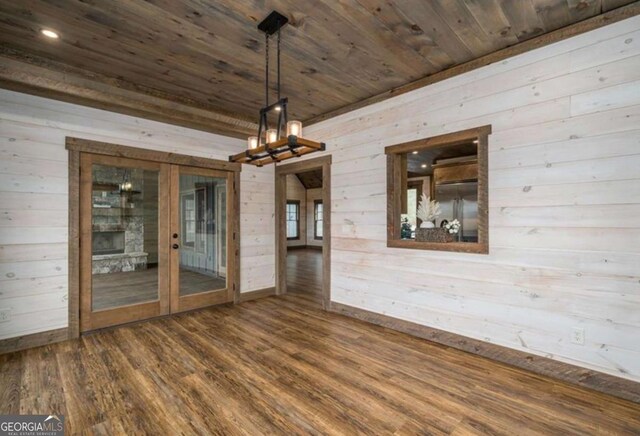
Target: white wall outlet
577,336
5,315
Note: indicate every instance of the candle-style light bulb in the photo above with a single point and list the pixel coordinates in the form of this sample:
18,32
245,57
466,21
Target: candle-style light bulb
252,142
294,128
272,136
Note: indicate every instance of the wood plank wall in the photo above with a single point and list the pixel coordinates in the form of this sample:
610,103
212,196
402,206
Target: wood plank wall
564,194
296,191
34,201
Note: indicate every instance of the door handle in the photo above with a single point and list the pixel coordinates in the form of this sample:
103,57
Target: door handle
175,246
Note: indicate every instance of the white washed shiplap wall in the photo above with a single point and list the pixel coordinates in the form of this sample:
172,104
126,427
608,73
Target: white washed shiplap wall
296,191
34,200
564,193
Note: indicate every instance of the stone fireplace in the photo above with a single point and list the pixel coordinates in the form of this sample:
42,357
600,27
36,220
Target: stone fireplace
117,222
108,242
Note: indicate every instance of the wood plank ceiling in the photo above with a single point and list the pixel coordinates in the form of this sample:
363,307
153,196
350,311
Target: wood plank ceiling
204,59
311,179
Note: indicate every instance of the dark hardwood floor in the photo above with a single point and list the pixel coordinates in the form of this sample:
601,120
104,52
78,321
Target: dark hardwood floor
280,365
304,272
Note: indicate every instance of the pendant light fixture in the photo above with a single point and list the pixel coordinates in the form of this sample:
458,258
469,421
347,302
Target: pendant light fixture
284,140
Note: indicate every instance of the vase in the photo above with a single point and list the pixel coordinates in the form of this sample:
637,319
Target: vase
427,225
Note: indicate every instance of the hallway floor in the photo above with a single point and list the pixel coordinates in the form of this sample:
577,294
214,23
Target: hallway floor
304,271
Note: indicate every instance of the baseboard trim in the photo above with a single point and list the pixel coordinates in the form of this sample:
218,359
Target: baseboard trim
259,293
598,381
304,247
33,340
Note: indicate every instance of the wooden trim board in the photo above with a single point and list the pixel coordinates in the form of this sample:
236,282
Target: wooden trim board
586,378
575,29
324,163
74,244
33,340
108,149
302,247
235,228
258,293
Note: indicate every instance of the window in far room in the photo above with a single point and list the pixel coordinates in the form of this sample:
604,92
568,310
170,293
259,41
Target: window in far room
317,219
293,219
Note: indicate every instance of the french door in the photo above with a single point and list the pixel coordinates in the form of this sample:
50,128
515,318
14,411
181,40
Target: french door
198,224
153,239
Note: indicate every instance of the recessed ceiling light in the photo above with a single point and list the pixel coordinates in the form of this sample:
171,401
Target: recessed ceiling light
50,33
475,141
423,165
415,152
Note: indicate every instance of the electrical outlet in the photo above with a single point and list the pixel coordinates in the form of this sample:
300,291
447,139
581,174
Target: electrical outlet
5,315
577,336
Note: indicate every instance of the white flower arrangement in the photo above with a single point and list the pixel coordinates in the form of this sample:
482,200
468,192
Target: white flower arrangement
453,227
428,210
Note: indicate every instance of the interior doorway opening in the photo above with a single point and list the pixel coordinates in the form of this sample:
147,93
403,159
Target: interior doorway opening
304,216
303,229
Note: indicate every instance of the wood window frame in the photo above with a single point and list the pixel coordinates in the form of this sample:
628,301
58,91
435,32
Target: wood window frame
397,178
315,219
77,147
297,204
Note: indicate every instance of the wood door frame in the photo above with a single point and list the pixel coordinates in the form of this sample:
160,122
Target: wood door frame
78,146
324,163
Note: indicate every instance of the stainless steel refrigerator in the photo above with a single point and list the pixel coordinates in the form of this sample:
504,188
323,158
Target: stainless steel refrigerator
459,201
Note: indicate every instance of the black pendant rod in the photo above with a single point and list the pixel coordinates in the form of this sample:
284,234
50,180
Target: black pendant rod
279,59
266,79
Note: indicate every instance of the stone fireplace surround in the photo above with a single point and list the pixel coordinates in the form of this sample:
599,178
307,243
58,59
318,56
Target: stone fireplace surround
118,225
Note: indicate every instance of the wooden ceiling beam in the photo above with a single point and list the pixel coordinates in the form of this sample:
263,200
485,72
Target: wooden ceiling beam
31,74
587,25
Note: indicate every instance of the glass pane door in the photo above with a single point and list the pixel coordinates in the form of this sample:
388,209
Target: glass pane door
123,270
200,238
124,236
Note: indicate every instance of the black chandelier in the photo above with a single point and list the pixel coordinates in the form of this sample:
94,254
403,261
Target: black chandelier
284,140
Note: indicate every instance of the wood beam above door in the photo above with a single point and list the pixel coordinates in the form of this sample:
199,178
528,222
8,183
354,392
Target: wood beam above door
34,75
